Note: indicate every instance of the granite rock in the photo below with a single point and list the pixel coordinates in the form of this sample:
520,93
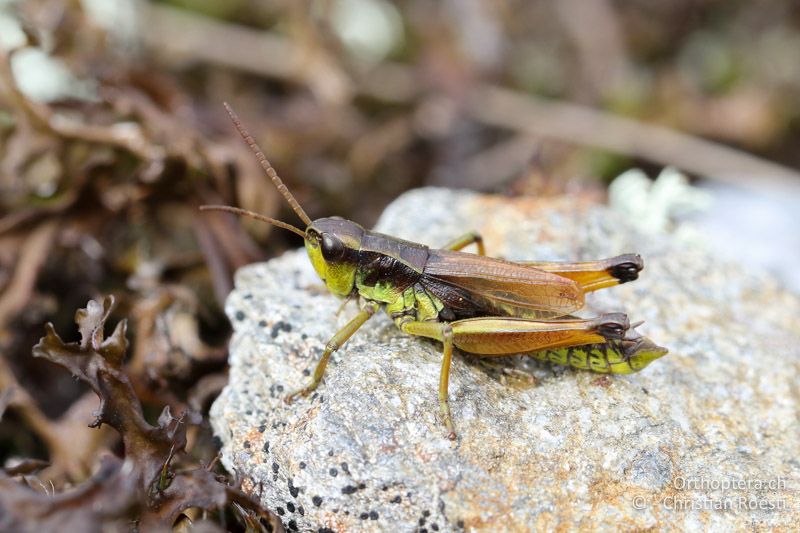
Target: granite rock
705,438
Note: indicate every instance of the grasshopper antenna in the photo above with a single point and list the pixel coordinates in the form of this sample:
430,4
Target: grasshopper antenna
265,164
245,212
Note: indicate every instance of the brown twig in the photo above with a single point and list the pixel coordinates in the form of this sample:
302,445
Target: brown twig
125,138
577,124
33,255
266,54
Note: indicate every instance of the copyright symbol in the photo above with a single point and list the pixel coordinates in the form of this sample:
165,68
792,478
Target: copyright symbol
639,502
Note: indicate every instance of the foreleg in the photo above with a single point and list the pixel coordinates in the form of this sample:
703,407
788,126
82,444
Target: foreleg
334,344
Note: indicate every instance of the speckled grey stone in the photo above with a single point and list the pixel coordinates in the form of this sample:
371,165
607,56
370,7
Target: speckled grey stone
658,449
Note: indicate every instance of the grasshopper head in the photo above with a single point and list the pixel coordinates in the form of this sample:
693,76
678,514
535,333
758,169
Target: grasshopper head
332,245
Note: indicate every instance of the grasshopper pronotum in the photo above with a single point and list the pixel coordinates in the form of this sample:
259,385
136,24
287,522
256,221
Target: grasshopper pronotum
476,303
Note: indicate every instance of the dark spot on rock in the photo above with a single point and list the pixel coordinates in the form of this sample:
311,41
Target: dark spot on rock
217,442
280,511
294,491
262,323
362,486
302,465
423,530
325,530
306,372
349,489
435,526
317,501
330,453
292,525
384,488
397,499
240,315
301,510
275,468
364,516
262,428
246,444
644,390
278,327
333,472
266,446
422,521
275,478
460,524
247,296
279,388
345,468
304,336
426,513
373,515
290,507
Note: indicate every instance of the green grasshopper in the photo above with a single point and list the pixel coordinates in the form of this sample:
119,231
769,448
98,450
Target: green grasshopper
476,303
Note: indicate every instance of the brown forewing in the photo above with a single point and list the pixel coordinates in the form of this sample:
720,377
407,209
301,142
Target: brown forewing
500,287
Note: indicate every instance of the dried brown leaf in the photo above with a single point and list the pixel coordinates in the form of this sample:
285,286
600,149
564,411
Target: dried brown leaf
150,450
32,256
72,447
103,503
5,399
24,466
97,361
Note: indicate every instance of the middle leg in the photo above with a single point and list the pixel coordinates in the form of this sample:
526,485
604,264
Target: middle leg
444,332
465,240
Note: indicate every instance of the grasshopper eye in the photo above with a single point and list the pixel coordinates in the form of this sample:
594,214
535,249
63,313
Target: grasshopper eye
332,248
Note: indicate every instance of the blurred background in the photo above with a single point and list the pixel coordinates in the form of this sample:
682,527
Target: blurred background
112,133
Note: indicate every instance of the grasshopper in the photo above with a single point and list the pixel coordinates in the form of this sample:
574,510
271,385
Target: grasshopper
478,304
